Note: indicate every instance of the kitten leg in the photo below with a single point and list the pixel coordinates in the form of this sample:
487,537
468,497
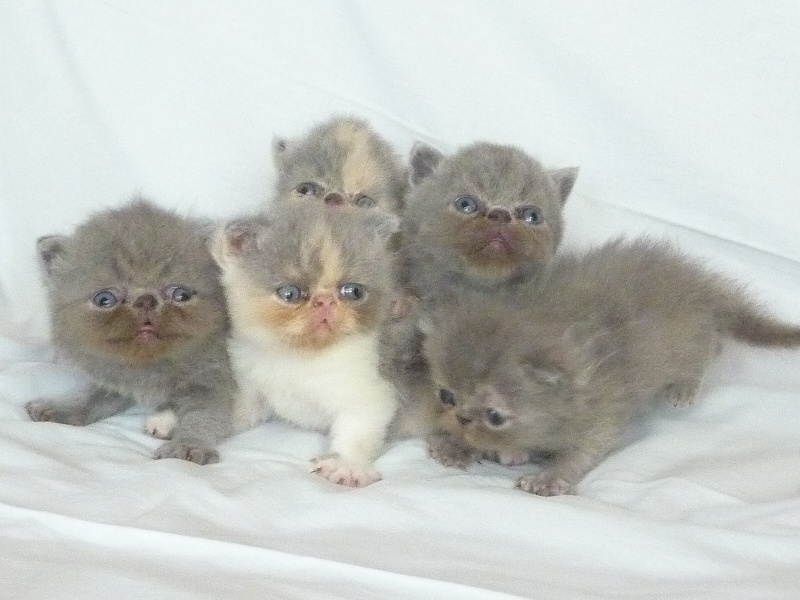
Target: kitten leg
569,467
161,424
356,441
99,404
449,451
200,423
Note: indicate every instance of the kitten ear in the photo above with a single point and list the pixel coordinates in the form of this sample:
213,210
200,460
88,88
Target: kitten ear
233,239
384,225
424,160
564,180
548,374
281,151
51,249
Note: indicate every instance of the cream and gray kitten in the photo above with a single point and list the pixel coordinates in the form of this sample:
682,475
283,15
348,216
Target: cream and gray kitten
136,303
309,288
562,366
341,162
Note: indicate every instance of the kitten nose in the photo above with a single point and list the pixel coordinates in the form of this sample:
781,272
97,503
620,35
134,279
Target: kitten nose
463,420
499,214
334,198
146,301
323,300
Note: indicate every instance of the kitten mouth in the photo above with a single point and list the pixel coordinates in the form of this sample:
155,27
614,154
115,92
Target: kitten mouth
146,333
498,242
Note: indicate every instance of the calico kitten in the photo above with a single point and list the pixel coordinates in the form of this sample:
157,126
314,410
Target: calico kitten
308,289
563,366
136,303
340,162
487,216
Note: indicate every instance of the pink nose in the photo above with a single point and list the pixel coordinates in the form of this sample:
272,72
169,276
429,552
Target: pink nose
323,301
334,198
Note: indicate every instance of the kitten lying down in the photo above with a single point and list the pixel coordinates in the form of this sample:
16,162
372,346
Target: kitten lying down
308,288
560,368
136,303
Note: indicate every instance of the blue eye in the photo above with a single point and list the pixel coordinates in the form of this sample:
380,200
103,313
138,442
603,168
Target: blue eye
447,397
106,298
353,291
365,202
309,188
530,214
466,204
177,293
290,293
493,418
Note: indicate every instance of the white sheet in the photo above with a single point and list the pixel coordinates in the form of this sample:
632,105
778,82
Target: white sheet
684,118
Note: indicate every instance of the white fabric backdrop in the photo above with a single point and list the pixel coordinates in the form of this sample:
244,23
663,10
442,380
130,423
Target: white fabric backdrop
684,118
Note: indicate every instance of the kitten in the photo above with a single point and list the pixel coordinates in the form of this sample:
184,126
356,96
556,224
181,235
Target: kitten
340,162
308,289
136,303
563,366
489,215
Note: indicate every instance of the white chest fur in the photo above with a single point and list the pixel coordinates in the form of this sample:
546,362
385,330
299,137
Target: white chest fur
310,389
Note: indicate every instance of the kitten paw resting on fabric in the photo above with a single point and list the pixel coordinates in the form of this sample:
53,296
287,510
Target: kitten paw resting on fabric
136,303
308,288
559,368
341,162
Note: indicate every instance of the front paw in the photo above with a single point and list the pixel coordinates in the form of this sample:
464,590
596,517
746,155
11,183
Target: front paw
161,424
544,484
448,452
193,452
513,459
53,412
339,471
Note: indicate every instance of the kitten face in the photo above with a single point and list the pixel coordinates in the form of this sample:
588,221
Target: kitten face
490,212
341,162
132,299
308,275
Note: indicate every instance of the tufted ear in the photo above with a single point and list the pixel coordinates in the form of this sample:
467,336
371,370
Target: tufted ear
573,358
234,239
51,249
383,224
564,180
282,150
423,161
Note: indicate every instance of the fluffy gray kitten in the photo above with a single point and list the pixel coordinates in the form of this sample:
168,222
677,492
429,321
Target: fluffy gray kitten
135,302
562,366
341,162
485,218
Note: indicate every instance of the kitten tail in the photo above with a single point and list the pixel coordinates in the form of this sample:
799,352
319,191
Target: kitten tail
746,322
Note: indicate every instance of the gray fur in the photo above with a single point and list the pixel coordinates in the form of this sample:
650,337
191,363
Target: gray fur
572,358
141,250
321,157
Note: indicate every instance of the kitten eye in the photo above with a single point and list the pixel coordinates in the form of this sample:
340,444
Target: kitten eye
177,293
353,291
466,204
290,293
308,188
447,397
365,202
530,214
106,298
493,418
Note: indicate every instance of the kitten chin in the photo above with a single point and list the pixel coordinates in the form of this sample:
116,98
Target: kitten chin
136,303
308,288
561,366
341,163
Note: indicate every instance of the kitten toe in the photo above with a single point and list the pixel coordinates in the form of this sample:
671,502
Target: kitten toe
544,484
160,425
341,472
196,453
682,393
447,452
54,413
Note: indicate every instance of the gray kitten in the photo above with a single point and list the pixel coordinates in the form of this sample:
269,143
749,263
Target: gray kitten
485,218
136,303
342,162
562,366
488,215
